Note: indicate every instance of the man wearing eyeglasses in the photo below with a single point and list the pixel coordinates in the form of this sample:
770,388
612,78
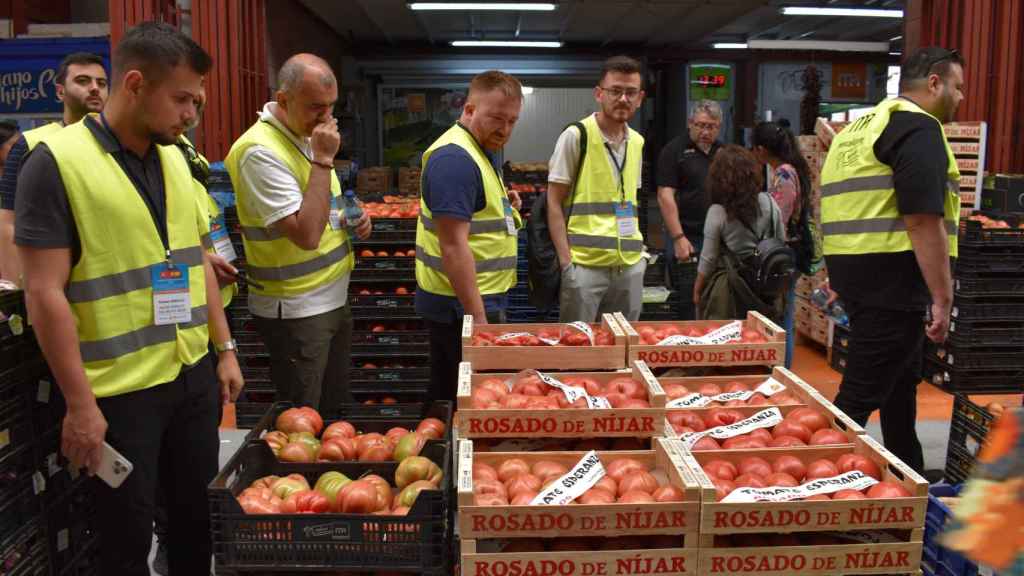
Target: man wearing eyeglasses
682,168
889,211
593,178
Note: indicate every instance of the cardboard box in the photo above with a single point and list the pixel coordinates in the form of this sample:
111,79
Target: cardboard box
374,180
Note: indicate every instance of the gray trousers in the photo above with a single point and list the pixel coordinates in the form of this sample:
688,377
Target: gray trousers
588,291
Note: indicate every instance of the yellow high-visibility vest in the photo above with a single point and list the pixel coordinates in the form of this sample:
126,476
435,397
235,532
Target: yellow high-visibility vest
491,241
36,135
600,190
859,214
110,288
283,268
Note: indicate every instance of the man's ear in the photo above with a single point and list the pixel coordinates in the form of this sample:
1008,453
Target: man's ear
60,92
469,108
281,97
133,82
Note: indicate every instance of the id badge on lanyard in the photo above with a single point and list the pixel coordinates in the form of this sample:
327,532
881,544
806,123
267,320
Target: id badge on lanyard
172,302
221,241
510,221
625,218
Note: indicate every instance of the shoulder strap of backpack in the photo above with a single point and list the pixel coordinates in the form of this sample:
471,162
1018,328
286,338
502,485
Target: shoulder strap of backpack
583,153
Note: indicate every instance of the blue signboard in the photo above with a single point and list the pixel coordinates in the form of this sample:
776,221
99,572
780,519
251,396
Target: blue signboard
28,69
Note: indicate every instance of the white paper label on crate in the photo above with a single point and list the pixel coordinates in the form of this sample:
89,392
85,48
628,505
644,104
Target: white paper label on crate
580,478
465,459
511,335
692,400
769,387
572,393
43,394
549,341
852,480
728,333
38,483
763,419
679,340
585,328
598,403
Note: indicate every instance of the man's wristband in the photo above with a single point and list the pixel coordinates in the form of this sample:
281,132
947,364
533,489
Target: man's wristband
322,164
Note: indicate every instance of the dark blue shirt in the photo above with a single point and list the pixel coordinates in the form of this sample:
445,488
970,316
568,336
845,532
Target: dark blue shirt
453,187
9,182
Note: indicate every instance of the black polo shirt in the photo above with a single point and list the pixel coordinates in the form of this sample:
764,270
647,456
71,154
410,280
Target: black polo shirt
684,166
43,216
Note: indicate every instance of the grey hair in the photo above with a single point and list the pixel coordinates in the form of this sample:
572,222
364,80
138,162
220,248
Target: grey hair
709,107
290,76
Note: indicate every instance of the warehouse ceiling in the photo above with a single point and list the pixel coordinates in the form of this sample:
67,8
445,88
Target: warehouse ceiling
590,24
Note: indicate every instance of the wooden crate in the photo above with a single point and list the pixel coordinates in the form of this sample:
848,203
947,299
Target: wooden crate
740,354
904,516
567,423
409,181
374,180
671,518
804,286
802,308
806,393
477,561
543,357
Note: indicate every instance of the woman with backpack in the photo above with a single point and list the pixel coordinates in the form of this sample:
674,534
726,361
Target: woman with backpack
744,264
790,187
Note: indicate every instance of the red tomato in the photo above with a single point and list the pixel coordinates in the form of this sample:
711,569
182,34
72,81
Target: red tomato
596,495
618,469
754,465
511,468
781,479
722,417
821,468
669,494
736,387
705,443
637,480
817,497
523,483
686,418
790,465
827,436
721,469
482,471
673,391
888,490
750,481
848,462
848,494
723,487
745,443
709,389
761,434
809,417
785,442
636,497
794,429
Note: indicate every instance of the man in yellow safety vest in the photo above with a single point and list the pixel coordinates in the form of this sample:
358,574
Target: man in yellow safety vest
592,202
889,211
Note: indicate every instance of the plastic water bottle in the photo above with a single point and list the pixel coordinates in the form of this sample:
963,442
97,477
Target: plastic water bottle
835,311
352,211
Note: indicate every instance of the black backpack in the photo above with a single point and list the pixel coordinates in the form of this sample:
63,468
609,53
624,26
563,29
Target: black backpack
545,273
805,241
768,270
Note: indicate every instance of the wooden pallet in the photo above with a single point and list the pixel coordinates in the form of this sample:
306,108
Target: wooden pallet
542,357
671,518
769,353
477,560
566,423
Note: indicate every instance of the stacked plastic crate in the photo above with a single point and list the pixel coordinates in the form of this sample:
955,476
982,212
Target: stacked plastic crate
45,512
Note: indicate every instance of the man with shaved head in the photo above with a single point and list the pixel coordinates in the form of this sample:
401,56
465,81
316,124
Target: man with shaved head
298,250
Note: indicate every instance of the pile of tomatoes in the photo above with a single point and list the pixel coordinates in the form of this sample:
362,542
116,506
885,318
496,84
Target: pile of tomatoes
530,393
801,427
651,335
399,207
568,337
710,389
367,253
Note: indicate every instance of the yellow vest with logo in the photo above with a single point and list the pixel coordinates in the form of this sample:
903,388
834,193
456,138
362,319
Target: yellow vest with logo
592,227
209,212
283,268
36,135
110,287
859,214
494,249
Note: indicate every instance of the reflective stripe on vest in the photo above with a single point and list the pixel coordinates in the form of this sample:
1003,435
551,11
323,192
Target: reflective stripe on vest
282,267
110,286
494,249
592,226
36,135
859,212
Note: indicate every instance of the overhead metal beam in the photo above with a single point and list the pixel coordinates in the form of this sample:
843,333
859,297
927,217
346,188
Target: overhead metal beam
568,19
719,16
369,16
420,19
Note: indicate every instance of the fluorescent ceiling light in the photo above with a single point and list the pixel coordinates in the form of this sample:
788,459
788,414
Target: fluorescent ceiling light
527,90
730,45
895,53
856,12
895,38
819,45
506,44
531,6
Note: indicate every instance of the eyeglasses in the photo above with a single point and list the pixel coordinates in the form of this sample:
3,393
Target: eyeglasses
616,93
705,127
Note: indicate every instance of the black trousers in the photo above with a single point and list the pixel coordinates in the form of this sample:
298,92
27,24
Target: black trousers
169,433
883,369
446,354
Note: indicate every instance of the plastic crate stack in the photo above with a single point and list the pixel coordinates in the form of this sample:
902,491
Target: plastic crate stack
390,344
985,349
936,559
253,359
45,511
529,179
656,283
968,428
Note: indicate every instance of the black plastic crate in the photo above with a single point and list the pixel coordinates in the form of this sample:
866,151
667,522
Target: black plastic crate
254,362
246,337
358,417
392,403
54,469
49,406
972,232
959,463
393,355
418,387
838,361
371,341
417,542
258,385
985,332
15,420
841,338
969,420
389,375
15,469
994,380
19,510
682,276
13,315
71,529
248,414
252,350
394,225
995,284
951,355
984,262
256,373
24,553
987,307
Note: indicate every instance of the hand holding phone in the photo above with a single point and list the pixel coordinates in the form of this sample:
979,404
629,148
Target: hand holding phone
114,468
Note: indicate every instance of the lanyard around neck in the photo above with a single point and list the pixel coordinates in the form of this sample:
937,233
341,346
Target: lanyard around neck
619,167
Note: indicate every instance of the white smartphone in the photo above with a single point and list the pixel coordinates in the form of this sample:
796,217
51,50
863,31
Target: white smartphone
114,467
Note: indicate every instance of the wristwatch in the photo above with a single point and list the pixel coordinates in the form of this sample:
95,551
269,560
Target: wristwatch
229,346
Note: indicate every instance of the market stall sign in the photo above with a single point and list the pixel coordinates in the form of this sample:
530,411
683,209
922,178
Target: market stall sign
28,69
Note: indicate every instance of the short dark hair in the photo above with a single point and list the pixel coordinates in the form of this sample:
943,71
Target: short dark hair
620,64
77,58
8,129
156,48
924,62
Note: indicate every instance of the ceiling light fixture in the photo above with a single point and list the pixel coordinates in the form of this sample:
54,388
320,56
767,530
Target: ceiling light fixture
855,12
826,45
504,44
510,6
895,38
729,45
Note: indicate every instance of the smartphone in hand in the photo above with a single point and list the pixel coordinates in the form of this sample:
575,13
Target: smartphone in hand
114,468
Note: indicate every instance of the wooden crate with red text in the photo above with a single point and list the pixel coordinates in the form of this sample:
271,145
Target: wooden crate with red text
771,351
873,535
603,556
679,518
796,393
565,422
544,357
